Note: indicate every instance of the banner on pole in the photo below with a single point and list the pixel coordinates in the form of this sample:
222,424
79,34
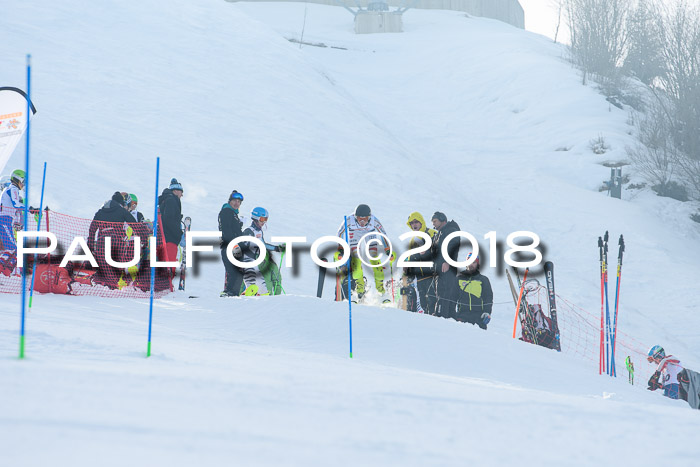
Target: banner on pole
13,120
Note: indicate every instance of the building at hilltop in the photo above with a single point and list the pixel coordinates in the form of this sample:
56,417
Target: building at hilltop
508,11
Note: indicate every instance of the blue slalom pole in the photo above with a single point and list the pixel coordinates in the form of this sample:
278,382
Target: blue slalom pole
26,203
349,266
38,228
153,269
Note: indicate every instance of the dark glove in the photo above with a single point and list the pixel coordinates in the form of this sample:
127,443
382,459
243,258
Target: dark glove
485,318
654,382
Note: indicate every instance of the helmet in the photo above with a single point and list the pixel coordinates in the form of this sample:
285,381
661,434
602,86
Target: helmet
362,210
127,198
656,352
134,198
259,214
19,176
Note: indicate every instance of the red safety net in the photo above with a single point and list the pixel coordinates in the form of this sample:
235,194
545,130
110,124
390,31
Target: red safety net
580,333
80,278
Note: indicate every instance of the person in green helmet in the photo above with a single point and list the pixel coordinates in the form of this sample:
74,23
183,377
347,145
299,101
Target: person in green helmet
11,205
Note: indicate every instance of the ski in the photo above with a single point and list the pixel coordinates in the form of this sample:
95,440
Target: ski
183,268
321,279
549,273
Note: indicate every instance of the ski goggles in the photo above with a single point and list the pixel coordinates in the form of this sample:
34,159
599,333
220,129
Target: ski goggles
364,219
262,220
236,195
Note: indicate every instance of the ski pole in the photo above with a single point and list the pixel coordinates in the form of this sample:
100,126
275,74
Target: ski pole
38,227
26,204
601,361
153,269
621,243
608,335
520,298
349,266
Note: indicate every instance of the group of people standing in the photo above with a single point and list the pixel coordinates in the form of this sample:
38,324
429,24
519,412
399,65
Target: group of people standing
264,279
439,290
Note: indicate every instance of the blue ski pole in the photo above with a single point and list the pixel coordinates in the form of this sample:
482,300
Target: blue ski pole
26,204
153,269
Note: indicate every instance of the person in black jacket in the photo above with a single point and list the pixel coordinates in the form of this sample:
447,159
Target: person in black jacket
445,281
231,227
171,217
474,296
110,221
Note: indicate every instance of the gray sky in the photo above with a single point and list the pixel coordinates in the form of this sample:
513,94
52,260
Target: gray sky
541,17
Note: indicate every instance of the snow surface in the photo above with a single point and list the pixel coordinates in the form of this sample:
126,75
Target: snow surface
469,116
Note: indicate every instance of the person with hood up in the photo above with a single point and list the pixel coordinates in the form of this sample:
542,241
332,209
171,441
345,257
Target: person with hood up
417,279
231,227
112,220
475,296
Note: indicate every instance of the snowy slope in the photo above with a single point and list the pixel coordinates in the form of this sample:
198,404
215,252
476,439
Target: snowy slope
464,115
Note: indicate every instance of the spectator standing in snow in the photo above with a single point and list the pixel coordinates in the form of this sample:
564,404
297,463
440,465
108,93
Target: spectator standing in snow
418,278
445,281
666,375
171,218
230,226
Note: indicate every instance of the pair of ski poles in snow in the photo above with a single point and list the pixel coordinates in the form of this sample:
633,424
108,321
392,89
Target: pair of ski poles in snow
608,329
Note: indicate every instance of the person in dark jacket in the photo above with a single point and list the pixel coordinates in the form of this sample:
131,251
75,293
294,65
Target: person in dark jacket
445,282
474,296
171,217
231,227
417,279
110,221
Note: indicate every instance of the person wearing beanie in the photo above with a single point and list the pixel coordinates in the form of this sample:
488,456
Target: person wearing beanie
231,227
444,285
171,216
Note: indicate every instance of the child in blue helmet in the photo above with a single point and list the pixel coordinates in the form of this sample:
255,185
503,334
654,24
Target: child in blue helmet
666,375
254,279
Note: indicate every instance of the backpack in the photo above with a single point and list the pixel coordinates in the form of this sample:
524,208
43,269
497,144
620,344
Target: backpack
52,279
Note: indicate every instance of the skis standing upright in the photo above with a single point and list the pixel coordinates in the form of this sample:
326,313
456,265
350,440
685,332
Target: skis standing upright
620,252
549,273
183,267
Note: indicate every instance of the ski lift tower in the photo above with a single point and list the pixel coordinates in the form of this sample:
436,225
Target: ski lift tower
376,17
